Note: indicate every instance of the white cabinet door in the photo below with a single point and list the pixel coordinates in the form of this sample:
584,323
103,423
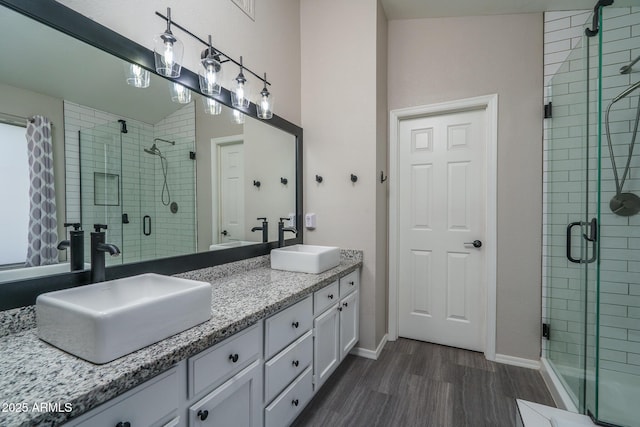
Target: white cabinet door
238,402
326,348
349,334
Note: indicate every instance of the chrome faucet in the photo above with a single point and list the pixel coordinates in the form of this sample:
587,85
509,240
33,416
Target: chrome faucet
98,249
264,228
282,229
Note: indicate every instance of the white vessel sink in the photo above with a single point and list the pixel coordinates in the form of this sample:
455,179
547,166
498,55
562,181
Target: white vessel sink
305,258
107,320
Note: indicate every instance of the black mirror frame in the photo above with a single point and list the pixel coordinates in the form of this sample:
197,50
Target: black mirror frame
59,17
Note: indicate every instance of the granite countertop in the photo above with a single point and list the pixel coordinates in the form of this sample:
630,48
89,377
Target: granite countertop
33,372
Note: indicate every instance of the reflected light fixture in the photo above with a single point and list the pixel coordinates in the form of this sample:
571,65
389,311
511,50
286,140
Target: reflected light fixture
137,76
179,93
211,106
265,103
167,51
240,92
210,72
238,117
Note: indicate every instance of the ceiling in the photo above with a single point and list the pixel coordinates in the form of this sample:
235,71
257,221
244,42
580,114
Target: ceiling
409,9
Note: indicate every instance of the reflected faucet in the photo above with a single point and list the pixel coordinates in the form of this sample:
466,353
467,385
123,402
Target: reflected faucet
76,246
282,229
264,228
98,248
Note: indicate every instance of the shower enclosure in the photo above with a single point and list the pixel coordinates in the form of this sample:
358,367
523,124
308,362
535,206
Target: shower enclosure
142,186
591,292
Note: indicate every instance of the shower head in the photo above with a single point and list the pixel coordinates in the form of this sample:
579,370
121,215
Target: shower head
153,150
626,92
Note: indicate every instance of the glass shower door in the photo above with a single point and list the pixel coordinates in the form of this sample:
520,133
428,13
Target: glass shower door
569,231
101,184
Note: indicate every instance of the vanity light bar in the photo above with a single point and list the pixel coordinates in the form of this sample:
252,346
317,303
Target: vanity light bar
217,51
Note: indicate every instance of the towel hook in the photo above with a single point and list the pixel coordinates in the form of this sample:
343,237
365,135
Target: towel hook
382,177
256,183
354,178
318,178
284,181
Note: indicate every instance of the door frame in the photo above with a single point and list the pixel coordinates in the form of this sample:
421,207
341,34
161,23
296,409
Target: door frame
215,190
489,103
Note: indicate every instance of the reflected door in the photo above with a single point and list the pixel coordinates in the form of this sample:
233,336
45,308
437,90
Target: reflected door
231,201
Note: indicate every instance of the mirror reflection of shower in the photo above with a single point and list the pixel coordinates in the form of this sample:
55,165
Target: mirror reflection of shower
623,204
164,163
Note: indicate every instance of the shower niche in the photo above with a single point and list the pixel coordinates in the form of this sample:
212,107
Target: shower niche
131,176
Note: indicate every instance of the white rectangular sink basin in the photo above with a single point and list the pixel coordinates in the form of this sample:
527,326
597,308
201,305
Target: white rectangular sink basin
107,320
305,258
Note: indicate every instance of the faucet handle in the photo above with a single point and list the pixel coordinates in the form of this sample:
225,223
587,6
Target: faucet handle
285,219
99,227
76,225
261,219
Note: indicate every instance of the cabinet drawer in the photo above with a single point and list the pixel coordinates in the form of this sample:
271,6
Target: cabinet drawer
237,402
325,298
286,365
287,326
349,283
286,407
219,363
144,405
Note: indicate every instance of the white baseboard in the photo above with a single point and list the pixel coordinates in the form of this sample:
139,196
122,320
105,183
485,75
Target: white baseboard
557,390
517,361
370,354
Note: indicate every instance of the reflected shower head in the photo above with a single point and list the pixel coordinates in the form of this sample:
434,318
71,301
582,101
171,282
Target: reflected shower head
153,150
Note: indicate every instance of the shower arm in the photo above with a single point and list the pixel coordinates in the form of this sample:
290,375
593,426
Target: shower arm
164,140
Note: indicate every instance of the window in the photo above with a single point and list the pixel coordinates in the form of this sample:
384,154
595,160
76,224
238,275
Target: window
14,194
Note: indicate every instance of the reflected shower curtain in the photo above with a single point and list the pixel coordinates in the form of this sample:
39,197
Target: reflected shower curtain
43,234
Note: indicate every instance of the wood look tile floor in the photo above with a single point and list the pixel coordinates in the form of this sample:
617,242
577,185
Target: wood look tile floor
414,383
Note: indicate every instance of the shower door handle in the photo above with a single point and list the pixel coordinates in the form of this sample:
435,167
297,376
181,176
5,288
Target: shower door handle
569,228
146,225
591,237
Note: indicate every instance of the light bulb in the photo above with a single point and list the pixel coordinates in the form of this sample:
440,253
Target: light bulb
180,94
238,117
168,54
137,76
240,93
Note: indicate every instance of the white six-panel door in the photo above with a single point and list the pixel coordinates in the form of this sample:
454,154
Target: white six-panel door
441,277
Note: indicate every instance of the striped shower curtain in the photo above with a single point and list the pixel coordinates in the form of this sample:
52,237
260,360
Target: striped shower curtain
43,234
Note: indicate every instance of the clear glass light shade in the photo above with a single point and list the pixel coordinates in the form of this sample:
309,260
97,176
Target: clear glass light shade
210,76
238,117
211,106
240,93
137,76
265,106
168,51
179,93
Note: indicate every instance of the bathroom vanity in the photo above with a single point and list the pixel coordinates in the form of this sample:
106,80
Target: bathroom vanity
273,340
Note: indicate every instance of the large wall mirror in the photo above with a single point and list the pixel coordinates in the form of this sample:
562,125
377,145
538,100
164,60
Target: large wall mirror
180,179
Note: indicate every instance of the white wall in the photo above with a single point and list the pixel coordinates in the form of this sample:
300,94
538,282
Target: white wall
269,44
340,108
434,60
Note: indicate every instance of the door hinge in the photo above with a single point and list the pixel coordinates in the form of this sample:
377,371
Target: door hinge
548,111
546,330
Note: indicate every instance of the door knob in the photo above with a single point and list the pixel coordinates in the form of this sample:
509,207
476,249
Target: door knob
475,243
